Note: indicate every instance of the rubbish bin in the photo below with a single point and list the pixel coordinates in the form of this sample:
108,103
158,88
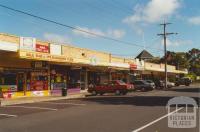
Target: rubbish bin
64,91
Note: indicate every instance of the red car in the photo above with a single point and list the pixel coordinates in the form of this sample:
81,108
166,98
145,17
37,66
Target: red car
118,87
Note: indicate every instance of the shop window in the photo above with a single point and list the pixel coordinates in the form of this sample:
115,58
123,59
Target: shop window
74,79
39,81
8,79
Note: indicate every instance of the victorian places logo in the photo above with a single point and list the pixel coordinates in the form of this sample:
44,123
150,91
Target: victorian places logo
182,112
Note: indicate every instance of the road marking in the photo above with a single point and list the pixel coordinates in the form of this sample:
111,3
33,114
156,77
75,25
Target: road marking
149,124
30,107
8,115
64,103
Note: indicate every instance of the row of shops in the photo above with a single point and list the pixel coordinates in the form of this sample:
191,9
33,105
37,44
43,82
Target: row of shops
30,67
51,79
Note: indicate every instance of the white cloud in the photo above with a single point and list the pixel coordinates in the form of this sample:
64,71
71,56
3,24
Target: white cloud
177,43
87,35
56,38
115,33
194,20
153,12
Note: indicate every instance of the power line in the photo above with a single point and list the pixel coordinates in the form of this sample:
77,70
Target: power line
71,27
165,34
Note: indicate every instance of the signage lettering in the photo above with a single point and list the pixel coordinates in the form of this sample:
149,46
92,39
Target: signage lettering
42,48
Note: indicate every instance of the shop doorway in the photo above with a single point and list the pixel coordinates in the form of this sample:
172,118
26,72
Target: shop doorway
20,81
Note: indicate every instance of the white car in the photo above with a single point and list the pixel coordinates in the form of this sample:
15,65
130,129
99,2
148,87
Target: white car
170,84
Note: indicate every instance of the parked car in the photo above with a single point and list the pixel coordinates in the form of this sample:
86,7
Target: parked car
170,84
159,84
183,81
118,87
142,85
151,83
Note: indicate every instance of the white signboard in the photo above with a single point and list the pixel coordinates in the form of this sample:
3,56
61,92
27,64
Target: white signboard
8,46
55,49
140,64
27,43
122,65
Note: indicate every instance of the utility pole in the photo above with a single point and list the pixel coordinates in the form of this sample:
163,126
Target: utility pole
165,34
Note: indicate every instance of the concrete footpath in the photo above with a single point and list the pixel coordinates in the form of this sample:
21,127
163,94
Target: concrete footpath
23,100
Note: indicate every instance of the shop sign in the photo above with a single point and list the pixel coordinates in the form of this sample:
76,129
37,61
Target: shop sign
8,46
44,56
39,64
55,49
42,48
133,66
122,65
140,64
27,43
93,60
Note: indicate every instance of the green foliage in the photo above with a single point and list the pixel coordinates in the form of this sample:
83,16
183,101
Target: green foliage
192,76
182,60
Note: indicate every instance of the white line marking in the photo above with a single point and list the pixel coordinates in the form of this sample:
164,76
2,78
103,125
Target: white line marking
64,103
8,115
30,107
139,129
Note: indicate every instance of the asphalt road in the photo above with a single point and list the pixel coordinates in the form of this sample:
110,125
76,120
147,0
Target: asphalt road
139,111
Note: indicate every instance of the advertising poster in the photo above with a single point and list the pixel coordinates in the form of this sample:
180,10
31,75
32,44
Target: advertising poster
27,43
42,48
55,49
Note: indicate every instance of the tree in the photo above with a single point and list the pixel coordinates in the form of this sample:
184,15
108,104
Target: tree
178,59
193,57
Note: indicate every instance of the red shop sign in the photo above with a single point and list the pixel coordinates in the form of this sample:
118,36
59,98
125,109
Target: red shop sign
133,66
42,48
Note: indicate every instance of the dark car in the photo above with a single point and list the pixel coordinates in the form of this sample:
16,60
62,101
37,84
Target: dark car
142,85
159,84
118,87
183,81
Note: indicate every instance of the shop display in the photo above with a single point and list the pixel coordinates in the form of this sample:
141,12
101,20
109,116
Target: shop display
39,81
58,79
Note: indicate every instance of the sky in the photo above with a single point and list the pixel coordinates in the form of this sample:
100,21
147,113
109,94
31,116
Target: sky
133,21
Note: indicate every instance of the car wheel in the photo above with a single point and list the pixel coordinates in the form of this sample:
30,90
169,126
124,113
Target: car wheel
101,93
177,84
143,89
117,92
124,93
187,84
94,92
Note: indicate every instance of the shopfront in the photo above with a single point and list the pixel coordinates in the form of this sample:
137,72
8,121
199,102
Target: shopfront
98,75
120,75
74,80
19,82
58,79
11,81
136,70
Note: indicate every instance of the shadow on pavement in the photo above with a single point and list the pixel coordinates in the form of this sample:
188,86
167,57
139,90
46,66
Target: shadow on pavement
186,90
135,100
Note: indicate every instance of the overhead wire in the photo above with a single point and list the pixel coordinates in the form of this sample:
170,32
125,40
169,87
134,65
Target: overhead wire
69,26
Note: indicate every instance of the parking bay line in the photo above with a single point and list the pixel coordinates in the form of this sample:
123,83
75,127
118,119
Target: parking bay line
64,103
8,115
32,107
151,123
